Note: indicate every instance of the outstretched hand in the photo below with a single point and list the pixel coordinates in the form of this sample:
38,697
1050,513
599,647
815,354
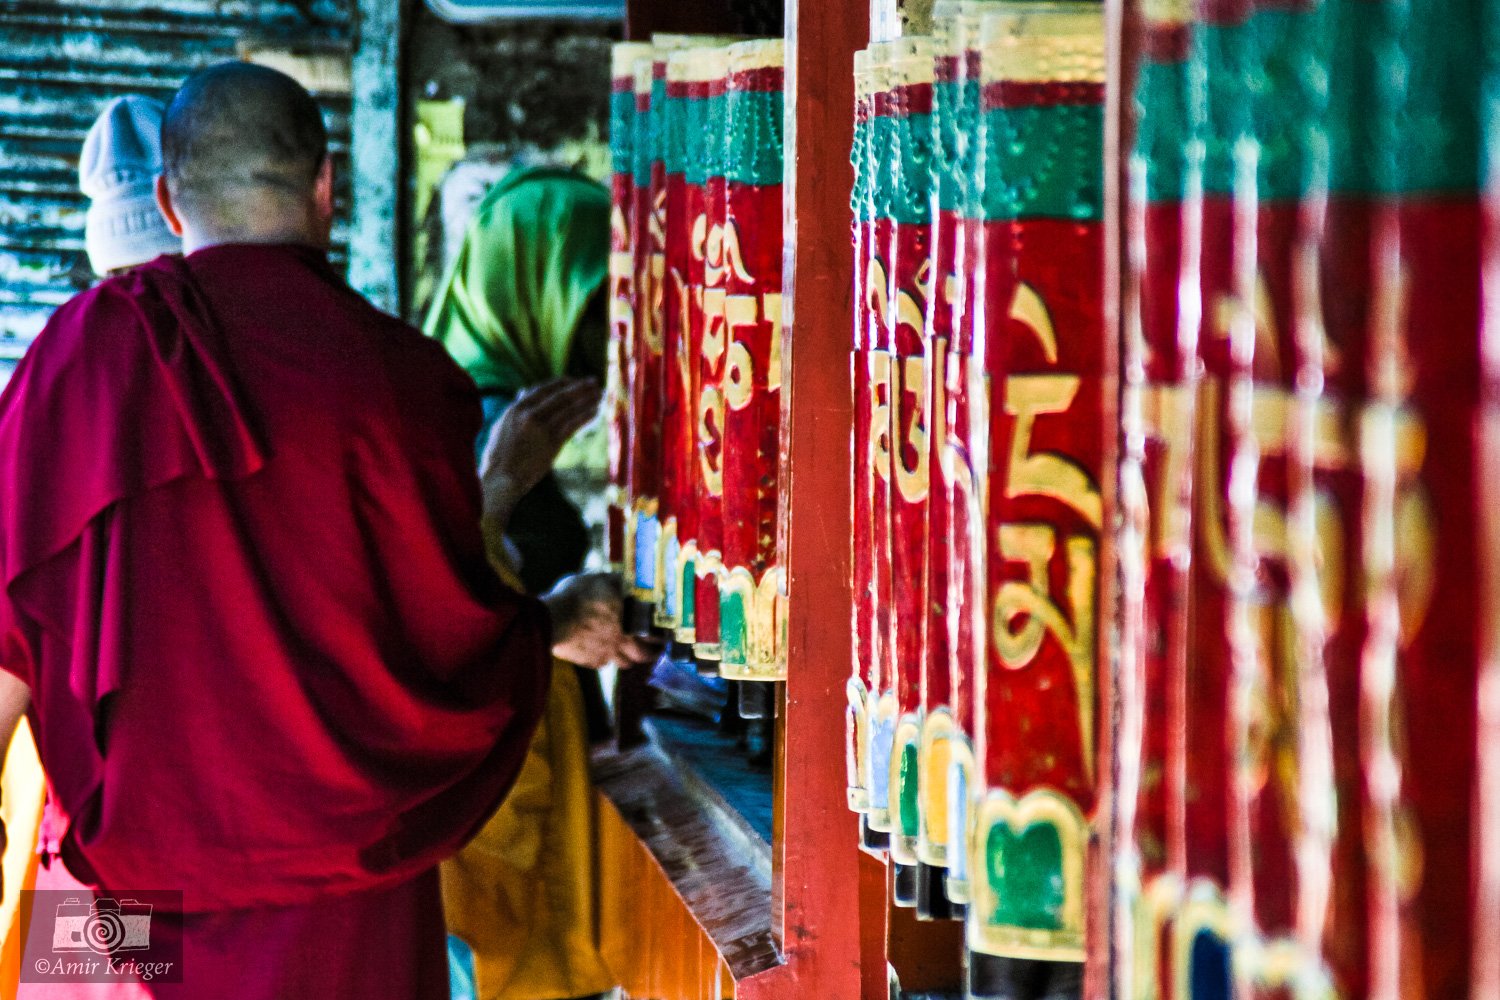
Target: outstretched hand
525,441
586,614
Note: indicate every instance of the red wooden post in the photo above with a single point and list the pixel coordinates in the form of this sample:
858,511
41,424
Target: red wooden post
820,861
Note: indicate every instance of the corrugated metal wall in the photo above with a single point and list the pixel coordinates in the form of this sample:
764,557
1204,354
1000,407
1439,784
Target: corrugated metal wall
62,60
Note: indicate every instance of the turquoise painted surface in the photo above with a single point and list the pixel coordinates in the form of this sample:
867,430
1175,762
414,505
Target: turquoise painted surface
1373,97
1043,162
755,137
911,186
948,177
622,131
642,145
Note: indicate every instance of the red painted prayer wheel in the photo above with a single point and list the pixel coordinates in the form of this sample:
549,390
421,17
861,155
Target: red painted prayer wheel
886,62
751,607
648,236
909,266
1159,365
1422,559
1286,836
709,420
945,281
621,296
1040,338
694,72
864,678
682,311
964,479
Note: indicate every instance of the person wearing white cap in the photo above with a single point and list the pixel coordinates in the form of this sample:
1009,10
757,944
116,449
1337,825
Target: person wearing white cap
118,170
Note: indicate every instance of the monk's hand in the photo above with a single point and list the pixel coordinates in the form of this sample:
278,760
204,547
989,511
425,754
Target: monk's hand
586,613
525,441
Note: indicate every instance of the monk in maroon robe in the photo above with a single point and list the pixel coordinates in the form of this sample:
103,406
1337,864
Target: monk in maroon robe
244,590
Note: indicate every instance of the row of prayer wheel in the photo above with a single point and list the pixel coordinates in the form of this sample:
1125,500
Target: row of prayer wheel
695,284
982,442
1169,614
1175,607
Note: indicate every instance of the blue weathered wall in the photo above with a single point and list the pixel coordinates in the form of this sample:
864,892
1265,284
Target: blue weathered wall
62,60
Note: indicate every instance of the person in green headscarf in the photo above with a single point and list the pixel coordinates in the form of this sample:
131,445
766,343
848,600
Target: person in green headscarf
523,305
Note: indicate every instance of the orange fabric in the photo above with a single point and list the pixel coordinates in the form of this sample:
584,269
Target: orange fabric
22,792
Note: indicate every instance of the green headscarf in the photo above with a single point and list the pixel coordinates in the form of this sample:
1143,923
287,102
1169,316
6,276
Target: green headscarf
535,253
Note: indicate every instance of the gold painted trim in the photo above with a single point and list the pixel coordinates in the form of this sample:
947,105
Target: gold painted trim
1149,910
934,762
764,605
885,708
624,56
643,67
702,64
760,53
1043,43
1204,909
643,508
908,733
914,64
858,750
664,616
627,571
687,635
962,761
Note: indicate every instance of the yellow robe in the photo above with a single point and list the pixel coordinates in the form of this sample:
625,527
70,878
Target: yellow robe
523,893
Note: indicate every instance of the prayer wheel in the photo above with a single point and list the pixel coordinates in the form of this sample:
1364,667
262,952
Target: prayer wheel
910,291
692,73
963,484
621,297
1159,369
1422,562
1042,442
686,93
709,419
884,59
1298,856
676,304
751,605
864,678
936,726
648,239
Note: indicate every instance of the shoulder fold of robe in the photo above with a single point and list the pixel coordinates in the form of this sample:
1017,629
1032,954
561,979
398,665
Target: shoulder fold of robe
243,574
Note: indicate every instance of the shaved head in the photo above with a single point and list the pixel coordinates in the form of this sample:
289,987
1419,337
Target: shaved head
238,135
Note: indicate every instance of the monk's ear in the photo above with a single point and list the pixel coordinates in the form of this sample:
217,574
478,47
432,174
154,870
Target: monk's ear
164,202
323,192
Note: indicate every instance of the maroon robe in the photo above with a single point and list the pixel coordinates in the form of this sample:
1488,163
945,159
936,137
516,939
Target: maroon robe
241,570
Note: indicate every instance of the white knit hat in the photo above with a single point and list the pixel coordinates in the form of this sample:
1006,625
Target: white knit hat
121,158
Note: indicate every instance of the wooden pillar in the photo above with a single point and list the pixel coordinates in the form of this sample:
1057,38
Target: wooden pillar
819,863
